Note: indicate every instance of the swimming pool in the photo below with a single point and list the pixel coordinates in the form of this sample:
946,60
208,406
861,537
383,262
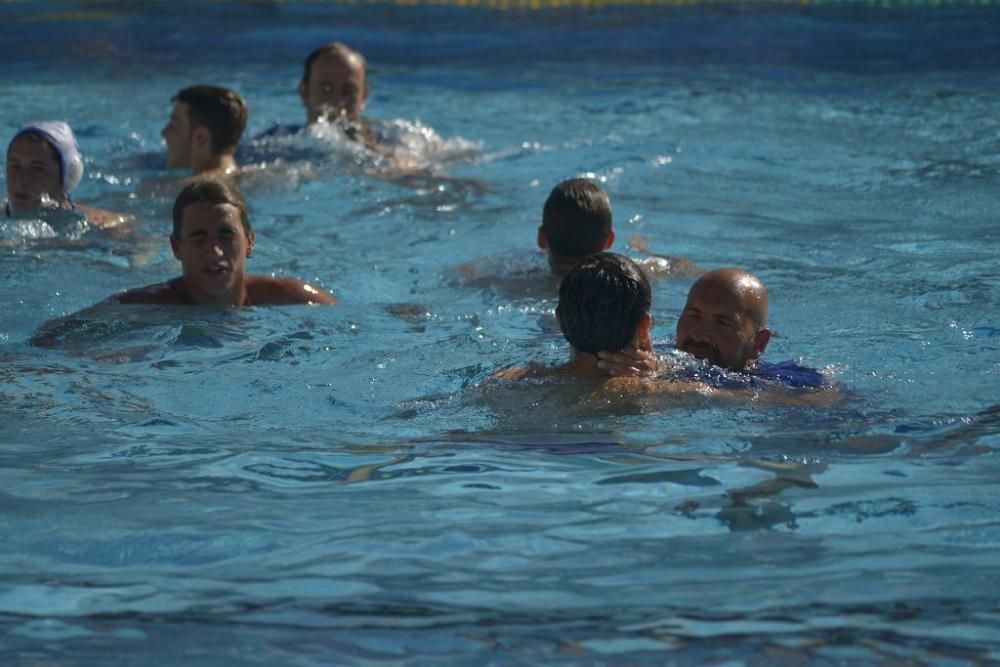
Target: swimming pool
341,486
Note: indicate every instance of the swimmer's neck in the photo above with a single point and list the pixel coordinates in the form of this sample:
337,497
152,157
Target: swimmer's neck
191,295
560,265
583,365
222,164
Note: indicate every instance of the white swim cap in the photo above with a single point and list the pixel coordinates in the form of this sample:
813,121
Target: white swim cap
60,137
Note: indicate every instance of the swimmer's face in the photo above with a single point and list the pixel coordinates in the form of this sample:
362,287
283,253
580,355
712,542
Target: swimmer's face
213,247
32,171
718,325
336,86
177,134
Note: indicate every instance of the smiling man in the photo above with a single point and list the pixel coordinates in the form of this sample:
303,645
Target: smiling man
212,239
723,321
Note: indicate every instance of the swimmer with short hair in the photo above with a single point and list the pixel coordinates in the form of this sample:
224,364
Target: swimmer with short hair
604,304
205,126
212,239
576,222
44,167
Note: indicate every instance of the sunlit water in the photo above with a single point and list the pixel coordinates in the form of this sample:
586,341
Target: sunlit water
342,486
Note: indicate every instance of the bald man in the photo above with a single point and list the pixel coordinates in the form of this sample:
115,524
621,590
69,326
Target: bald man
724,323
724,319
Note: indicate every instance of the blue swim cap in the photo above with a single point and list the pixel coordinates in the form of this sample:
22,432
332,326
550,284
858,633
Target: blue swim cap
60,137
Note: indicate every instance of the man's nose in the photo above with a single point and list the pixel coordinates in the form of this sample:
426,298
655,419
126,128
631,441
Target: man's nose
700,331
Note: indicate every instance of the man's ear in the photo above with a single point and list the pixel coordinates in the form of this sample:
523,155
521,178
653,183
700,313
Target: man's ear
304,94
175,246
251,239
202,138
543,239
364,97
763,337
640,339
610,240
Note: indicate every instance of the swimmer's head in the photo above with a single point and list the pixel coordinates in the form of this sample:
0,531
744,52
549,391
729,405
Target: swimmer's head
205,122
212,239
576,220
43,161
725,319
214,191
334,83
604,303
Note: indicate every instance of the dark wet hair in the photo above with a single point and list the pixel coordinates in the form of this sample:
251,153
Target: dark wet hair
332,49
213,191
577,218
221,110
601,302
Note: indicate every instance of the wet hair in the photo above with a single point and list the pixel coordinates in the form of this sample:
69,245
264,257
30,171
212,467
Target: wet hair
221,110
213,191
577,218
338,49
601,302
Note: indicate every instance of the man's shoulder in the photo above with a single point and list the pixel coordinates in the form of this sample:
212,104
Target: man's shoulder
276,291
790,374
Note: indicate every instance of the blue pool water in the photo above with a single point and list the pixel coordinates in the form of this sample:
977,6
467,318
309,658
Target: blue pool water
304,486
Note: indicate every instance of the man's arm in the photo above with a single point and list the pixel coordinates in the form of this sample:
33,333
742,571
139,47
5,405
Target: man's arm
659,265
104,219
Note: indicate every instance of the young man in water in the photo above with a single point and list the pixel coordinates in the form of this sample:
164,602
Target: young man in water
604,304
205,127
212,239
44,166
576,222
